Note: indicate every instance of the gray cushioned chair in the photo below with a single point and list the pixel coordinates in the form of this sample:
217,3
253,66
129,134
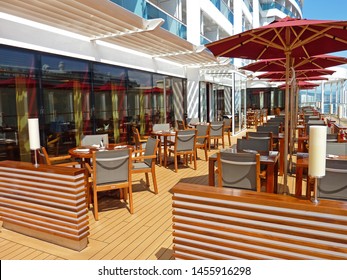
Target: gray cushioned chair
111,170
202,137
185,145
146,162
227,129
239,170
334,184
216,133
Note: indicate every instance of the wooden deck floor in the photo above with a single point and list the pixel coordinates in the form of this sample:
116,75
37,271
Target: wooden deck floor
145,235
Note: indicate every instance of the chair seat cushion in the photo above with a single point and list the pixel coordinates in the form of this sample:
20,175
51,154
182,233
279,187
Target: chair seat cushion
139,165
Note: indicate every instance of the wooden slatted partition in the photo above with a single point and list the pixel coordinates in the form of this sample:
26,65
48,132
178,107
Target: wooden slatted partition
223,223
47,202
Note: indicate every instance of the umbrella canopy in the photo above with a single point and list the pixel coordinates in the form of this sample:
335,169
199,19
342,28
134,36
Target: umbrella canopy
301,85
300,74
299,63
313,78
286,38
299,37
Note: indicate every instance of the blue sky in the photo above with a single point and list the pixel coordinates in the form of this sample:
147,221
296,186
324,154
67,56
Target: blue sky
326,9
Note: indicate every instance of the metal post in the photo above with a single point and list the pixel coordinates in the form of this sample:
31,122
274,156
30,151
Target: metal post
315,191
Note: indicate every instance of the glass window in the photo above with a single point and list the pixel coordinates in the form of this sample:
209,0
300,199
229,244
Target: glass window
66,99
111,102
18,89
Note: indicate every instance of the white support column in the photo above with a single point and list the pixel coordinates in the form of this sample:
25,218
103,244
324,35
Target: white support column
193,21
193,92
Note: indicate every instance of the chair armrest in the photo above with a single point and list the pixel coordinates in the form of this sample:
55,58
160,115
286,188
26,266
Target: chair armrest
72,163
140,158
59,158
89,168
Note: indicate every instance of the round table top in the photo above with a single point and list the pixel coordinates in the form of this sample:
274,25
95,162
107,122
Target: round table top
87,151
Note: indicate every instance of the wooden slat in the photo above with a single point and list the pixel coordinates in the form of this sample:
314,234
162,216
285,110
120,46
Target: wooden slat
220,223
36,201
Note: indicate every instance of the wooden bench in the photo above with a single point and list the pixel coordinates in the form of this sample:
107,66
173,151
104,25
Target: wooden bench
223,223
47,202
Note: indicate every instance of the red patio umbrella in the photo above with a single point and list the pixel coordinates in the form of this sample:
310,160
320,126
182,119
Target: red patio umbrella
287,38
307,74
299,63
301,85
313,78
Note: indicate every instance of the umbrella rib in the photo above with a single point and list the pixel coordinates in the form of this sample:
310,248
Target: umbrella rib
253,39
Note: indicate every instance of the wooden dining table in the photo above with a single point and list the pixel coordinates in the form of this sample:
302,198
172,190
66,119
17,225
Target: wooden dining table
270,159
86,152
164,135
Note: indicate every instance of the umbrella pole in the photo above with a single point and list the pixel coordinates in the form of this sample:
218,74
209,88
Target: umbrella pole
291,128
286,125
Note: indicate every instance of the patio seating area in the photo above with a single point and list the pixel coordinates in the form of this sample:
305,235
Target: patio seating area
144,235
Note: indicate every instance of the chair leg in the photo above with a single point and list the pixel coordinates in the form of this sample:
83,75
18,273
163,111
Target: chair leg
131,205
147,179
205,153
95,205
176,163
154,178
229,137
192,155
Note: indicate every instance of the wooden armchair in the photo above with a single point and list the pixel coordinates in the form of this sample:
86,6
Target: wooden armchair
111,170
180,125
227,129
185,145
216,133
64,160
140,143
145,163
202,137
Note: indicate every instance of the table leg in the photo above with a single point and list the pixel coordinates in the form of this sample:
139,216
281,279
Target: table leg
211,171
298,181
281,159
165,151
276,167
270,178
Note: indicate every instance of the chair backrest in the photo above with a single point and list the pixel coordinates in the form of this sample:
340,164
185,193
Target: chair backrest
202,130
334,184
259,145
137,138
43,156
332,137
336,148
260,135
88,140
227,123
151,149
193,121
185,140
216,129
112,166
238,170
275,129
161,127
180,125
